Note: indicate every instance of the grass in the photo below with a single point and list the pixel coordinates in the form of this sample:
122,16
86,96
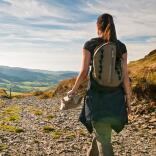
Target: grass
15,93
14,117
10,128
53,132
70,135
62,87
143,68
50,117
37,93
23,89
12,109
143,74
19,130
56,134
35,110
10,113
41,88
46,95
48,129
19,94
2,103
38,112
3,147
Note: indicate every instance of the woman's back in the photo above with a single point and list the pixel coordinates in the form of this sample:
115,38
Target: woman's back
91,45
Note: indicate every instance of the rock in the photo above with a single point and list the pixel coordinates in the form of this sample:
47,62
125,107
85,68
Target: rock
153,132
69,137
152,120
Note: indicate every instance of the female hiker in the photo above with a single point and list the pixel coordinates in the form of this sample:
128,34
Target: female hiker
105,107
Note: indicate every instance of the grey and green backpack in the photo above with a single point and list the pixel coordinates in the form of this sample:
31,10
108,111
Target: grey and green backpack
107,70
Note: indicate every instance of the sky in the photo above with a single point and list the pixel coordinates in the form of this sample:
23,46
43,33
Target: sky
50,34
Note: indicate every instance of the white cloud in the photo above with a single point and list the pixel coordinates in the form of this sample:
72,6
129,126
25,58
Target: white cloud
152,39
27,33
139,50
132,17
30,27
31,8
41,60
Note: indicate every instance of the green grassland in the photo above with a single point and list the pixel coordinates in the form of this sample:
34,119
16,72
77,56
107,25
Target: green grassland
22,80
22,87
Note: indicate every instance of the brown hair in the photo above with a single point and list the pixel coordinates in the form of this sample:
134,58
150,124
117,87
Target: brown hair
106,25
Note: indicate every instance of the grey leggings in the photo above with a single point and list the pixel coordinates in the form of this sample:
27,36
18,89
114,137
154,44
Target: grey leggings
101,143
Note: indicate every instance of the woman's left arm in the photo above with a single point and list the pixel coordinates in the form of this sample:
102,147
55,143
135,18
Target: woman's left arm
86,57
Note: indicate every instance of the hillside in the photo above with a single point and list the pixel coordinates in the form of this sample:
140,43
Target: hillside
25,80
143,74
145,67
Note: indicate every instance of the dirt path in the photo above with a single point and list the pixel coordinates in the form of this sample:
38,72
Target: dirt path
35,127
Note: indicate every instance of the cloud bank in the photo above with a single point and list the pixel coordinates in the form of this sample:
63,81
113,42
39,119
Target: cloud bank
50,34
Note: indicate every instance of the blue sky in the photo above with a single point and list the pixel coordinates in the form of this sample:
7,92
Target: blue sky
49,34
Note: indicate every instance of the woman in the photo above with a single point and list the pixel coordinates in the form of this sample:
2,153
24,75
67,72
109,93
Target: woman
106,109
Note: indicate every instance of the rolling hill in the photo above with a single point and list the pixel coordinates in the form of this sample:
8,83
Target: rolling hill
143,74
23,80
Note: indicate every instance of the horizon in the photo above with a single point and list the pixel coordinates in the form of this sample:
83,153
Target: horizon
57,70
39,69
49,35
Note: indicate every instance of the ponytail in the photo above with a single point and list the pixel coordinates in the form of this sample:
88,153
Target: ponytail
106,25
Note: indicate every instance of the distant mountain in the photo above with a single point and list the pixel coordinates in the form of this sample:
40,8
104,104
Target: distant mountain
16,74
32,77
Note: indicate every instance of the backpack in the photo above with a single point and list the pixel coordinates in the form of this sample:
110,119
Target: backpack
107,70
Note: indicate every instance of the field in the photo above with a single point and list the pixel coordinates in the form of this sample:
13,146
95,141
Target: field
25,86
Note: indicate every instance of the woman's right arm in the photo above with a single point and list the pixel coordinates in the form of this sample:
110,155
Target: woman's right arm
86,58
126,82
